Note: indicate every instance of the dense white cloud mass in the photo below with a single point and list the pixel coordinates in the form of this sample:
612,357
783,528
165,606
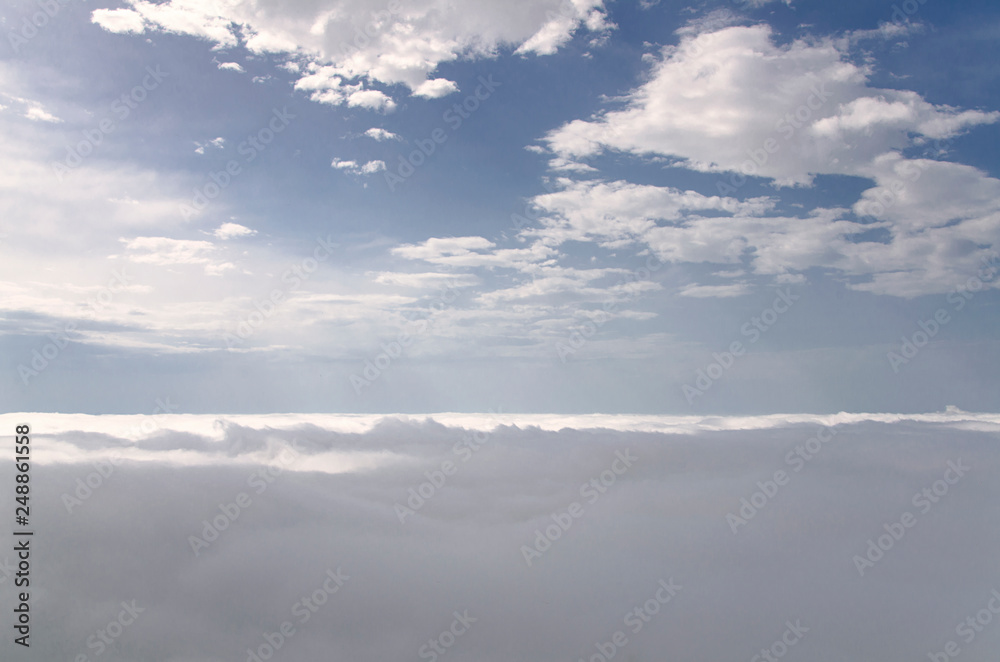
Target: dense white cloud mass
732,100
698,503
728,100
369,41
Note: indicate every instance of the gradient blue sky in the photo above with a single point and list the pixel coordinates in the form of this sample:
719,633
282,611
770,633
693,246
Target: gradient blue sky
613,137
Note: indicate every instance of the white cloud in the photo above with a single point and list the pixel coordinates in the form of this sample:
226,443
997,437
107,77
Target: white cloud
425,280
888,30
208,20
436,88
715,291
619,213
368,40
437,247
728,100
232,66
164,251
559,27
232,230
30,109
219,269
567,165
371,99
333,507
369,168
351,166
119,20
36,113
372,167
704,105
216,143
381,135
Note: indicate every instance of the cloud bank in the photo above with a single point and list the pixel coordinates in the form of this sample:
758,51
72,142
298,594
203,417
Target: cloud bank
549,537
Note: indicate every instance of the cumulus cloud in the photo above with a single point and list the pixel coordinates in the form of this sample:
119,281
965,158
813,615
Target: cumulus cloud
434,89
727,99
232,230
381,135
119,20
371,99
353,167
232,66
618,213
731,100
358,43
437,247
654,495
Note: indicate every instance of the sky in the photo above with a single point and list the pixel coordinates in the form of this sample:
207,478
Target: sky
199,538
358,206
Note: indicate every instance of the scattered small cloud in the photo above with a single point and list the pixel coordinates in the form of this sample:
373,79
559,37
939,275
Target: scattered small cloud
353,167
436,88
715,291
381,135
232,230
36,113
216,143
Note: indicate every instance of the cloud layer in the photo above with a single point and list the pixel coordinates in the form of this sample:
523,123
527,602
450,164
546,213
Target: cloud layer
336,494
343,47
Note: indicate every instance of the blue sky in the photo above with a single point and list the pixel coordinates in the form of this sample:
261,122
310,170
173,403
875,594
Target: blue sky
509,270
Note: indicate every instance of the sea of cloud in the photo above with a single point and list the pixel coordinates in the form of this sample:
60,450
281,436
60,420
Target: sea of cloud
509,537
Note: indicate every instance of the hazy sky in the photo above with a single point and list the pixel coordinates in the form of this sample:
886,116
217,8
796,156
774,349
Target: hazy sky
368,206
